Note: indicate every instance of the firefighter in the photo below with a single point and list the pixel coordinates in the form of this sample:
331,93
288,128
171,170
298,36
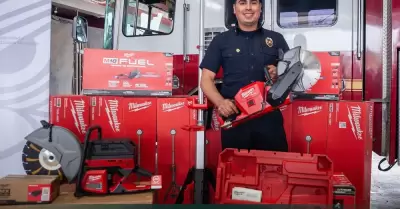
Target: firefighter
243,52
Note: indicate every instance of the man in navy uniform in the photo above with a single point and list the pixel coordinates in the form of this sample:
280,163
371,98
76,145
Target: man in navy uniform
243,52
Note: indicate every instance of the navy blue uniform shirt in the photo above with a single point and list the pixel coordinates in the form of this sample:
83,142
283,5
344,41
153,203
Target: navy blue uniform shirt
243,56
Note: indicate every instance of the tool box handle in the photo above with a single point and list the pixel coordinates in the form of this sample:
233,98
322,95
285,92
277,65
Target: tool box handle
91,129
78,188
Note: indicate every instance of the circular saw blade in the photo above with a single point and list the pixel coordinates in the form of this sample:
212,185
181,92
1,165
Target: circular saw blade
311,71
39,161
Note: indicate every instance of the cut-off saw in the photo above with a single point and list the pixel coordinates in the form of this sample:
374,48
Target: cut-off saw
298,70
99,166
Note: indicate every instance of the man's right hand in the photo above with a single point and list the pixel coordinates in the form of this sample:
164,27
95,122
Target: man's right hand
226,108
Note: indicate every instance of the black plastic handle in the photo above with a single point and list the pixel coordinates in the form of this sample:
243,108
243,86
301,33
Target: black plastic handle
78,184
267,76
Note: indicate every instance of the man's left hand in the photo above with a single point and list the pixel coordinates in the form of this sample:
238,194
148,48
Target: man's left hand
272,72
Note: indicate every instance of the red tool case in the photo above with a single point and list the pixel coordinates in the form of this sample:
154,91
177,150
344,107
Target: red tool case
281,178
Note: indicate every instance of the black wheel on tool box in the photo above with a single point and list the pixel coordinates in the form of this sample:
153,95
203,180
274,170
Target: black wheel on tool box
39,161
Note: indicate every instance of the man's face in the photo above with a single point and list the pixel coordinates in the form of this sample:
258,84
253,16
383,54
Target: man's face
247,11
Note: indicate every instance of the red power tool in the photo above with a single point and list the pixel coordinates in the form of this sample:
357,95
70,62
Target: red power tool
136,74
100,166
260,98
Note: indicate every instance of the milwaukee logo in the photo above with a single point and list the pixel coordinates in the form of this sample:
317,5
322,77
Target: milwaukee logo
168,107
354,115
77,110
95,178
112,107
247,93
304,111
127,61
135,107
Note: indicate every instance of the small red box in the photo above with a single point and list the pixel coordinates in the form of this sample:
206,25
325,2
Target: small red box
118,72
71,112
344,193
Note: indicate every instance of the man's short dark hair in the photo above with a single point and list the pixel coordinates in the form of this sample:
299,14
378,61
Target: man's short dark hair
235,1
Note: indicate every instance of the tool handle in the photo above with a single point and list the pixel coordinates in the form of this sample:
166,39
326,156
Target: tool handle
78,186
91,129
268,77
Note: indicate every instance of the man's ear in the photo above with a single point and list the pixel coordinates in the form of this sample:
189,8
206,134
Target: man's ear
234,10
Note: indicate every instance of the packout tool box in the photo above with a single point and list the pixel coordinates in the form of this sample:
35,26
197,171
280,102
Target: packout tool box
264,177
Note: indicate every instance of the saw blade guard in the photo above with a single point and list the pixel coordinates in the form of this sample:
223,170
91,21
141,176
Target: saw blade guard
292,74
63,144
288,60
311,68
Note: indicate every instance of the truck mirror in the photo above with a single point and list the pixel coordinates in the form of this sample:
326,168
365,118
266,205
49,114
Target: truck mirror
80,29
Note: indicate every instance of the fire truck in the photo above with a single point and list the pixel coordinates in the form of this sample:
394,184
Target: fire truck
362,33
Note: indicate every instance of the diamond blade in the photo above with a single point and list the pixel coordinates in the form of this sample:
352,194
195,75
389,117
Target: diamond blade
311,71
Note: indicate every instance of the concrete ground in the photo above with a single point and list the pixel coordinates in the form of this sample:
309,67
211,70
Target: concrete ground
385,191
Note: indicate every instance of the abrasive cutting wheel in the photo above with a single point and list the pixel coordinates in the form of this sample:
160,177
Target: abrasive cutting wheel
39,161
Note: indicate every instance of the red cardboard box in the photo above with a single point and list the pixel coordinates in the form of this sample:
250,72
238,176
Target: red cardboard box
107,112
117,72
71,112
310,122
173,145
350,145
136,111
343,131
329,84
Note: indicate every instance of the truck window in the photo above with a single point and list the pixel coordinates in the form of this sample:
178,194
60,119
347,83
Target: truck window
108,24
230,18
306,13
142,19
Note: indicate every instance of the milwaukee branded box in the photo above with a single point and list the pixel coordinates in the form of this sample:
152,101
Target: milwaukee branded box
343,131
310,127
71,112
350,145
344,193
107,112
140,115
327,83
17,189
174,153
118,72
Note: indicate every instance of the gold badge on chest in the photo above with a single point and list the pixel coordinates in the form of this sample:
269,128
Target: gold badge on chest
269,42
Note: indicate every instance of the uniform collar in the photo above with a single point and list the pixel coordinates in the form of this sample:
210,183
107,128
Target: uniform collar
238,30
